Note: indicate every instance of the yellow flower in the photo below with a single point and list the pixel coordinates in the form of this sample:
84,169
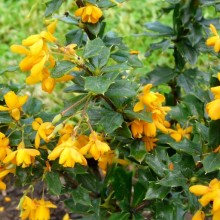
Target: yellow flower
216,215
66,217
215,40
199,190
4,145
216,92
43,130
199,215
149,143
35,209
150,129
89,13
137,128
96,147
179,133
14,104
68,153
22,156
213,109
4,172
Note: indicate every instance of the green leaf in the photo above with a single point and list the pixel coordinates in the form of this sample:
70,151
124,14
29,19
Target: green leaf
94,28
143,115
122,89
53,183
134,61
137,151
122,183
162,29
99,84
115,68
214,131
173,179
52,6
81,195
156,191
109,120
188,52
211,162
76,208
120,56
121,216
15,138
139,193
62,68
5,118
32,106
160,75
155,164
93,48
75,37
187,146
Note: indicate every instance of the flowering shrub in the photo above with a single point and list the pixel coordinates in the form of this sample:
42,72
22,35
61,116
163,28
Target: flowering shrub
118,147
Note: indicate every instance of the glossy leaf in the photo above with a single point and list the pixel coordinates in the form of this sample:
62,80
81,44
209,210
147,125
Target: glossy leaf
211,162
53,183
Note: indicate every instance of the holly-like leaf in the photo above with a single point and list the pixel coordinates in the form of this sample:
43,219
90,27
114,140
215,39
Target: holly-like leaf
52,6
211,162
62,68
53,182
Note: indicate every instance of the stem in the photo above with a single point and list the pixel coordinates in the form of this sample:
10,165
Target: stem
107,100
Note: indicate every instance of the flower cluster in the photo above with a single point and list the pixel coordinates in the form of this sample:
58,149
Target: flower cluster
150,102
210,194
214,41
35,209
213,108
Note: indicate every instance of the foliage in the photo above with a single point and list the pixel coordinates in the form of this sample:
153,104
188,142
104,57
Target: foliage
121,145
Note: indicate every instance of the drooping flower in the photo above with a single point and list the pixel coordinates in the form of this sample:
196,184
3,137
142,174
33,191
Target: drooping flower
14,104
213,109
22,156
214,40
4,145
149,143
44,129
35,209
179,133
96,146
199,215
90,13
68,153
4,171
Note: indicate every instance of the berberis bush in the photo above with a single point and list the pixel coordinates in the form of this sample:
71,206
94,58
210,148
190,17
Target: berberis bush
117,148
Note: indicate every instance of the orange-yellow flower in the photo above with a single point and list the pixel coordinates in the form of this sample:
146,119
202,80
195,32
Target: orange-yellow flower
179,133
137,128
4,145
68,153
213,109
35,209
96,147
89,13
14,104
199,190
214,40
43,130
22,156
4,172
199,215
149,143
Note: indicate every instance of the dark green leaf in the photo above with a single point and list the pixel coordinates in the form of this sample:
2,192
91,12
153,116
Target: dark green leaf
5,118
53,183
52,6
214,131
164,30
134,61
120,56
15,138
76,208
160,75
155,164
99,84
138,151
156,191
32,106
75,37
121,216
211,162
187,146
139,193
62,68
68,19
81,195
94,28
109,120
115,68
93,48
